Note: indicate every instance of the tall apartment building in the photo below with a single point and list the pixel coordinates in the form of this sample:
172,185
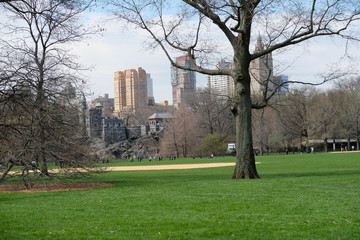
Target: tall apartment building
221,85
261,71
130,91
183,82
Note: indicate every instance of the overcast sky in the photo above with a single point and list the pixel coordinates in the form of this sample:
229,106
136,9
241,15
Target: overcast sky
119,49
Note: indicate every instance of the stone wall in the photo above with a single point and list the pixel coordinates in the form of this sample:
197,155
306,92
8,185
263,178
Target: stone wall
113,130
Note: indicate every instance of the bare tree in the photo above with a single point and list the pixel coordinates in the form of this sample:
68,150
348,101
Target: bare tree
215,112
349,109
267,130
323,116
181,134
188,32
38,85
295,115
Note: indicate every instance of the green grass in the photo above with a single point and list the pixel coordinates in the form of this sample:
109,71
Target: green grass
298,197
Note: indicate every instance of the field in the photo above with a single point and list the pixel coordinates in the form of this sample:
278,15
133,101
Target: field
308,196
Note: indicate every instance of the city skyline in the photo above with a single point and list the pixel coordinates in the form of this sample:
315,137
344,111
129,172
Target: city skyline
300,63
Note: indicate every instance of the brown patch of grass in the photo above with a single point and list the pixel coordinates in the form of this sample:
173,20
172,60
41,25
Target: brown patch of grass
51,187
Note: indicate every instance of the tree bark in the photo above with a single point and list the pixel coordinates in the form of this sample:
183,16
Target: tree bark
245,160
245,163
325,145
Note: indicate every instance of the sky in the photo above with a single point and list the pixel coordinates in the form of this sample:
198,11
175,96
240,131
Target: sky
120,48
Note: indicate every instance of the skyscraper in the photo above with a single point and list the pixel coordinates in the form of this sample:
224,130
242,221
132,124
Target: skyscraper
130,91
183,82
221,85
261,71
150,94
282,83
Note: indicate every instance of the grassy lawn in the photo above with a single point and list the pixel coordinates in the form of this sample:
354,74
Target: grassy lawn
298,197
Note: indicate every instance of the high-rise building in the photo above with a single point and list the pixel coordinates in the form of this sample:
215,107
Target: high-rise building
149,85
183,82
150,94
261,71
281,83
221,85
130,91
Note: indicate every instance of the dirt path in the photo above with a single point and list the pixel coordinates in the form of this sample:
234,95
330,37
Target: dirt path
167,167
142,168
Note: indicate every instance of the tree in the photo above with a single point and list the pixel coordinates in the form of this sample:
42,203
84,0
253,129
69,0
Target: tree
295,115
267,130
181,134
349,109
38,85
213,144
215,112
323,116
284,23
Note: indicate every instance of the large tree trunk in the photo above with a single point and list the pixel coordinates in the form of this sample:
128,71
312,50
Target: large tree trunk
245,160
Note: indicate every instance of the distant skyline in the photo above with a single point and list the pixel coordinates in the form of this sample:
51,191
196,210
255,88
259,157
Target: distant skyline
119,49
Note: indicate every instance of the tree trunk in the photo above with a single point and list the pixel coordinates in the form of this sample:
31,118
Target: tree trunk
325,145
245,163
245,159
7,170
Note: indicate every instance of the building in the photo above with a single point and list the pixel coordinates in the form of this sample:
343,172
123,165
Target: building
110,129
130,91
106,103
183,82
150,93
157,120
221,85
113,129
261,71
261,74
281,82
